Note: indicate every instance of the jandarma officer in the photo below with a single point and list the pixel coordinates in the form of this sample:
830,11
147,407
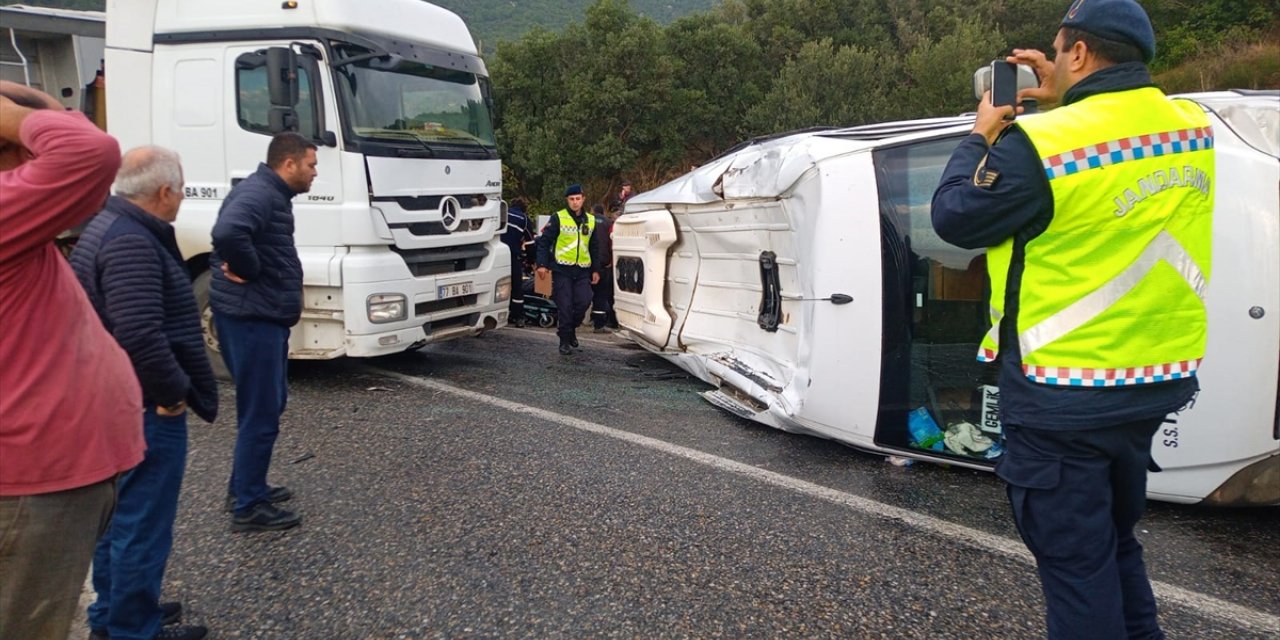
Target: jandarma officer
570,248
1097,216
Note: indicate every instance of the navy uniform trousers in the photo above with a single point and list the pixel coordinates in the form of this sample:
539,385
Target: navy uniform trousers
571,290
602,314
515,308
1076,498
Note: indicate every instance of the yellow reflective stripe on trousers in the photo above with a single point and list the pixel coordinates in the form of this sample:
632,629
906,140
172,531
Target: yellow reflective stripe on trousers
1162,247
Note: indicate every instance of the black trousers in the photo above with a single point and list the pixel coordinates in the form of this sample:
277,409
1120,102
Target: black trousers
1076,497
572,295
602,301
516,307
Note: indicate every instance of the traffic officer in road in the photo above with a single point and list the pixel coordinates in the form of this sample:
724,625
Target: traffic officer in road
1097,219
569,247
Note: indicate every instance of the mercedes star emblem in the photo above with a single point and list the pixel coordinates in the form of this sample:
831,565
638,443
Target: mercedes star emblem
449,213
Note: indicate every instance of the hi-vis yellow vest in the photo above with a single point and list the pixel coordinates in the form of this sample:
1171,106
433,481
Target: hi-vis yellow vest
572,246
1112,292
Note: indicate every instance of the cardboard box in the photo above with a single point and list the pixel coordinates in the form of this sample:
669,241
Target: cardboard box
542,284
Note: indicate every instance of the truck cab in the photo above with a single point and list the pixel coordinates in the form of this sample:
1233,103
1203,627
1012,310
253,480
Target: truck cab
398,236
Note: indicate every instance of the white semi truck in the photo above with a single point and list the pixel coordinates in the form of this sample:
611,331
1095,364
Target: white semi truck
398,236
801,277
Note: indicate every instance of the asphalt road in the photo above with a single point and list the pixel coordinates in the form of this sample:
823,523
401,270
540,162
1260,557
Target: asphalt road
490,488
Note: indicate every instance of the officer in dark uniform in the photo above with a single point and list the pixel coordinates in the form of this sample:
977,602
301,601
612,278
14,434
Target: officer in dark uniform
517,234
1096,347
569,248
603,319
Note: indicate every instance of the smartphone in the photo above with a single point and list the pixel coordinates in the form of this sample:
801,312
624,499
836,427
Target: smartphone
1004,83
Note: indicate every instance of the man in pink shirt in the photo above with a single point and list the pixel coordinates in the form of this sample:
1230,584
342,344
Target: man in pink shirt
70,404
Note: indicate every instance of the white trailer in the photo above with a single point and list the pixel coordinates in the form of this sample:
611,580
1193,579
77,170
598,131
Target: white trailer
57,51
398,236
801,277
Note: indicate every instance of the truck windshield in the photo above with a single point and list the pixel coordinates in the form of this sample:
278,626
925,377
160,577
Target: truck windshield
402,103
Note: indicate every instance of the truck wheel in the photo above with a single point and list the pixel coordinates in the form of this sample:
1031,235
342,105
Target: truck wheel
201,288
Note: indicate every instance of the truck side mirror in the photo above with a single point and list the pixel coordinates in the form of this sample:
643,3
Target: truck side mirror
282,85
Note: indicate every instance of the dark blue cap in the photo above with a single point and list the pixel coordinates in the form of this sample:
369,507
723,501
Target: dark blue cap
1118,20
573,190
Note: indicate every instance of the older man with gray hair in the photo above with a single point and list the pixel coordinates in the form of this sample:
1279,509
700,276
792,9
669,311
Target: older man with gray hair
129,264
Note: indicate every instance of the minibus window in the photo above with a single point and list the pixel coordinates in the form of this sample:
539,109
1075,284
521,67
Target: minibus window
935,395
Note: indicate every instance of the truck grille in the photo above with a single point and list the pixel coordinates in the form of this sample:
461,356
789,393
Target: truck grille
432,203
436,306
431,262
438,229
448,323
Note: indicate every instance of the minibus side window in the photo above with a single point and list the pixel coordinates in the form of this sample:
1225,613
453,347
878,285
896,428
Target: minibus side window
935,314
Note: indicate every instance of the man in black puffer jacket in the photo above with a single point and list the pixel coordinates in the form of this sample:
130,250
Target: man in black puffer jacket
128,262
256,297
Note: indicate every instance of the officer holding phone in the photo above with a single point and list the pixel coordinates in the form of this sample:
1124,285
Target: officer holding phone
1098,338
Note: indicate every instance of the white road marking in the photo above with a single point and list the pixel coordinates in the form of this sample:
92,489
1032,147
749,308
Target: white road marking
595,338
1205,605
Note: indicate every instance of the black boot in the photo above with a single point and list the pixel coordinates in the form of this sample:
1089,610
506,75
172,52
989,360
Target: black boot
275,495
171,613
265,516
182,632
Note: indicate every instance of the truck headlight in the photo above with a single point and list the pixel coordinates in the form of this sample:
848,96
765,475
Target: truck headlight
387,307
502,292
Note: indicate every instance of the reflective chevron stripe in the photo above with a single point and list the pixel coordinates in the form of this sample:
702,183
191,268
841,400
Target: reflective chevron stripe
1135,148
1162,247
1076,377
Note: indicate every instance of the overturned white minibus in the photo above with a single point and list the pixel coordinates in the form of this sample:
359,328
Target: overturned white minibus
801,277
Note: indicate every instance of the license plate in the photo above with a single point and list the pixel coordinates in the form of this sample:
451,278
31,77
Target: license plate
455,290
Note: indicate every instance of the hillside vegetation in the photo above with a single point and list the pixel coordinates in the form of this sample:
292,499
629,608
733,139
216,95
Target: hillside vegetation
591,91
489,20
617,94
494,20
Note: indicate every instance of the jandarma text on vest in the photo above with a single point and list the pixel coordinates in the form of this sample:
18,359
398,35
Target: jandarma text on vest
1158,181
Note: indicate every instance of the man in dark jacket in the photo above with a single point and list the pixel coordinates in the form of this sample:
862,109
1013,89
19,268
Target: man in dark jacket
624,194
256,297
128,262
569,248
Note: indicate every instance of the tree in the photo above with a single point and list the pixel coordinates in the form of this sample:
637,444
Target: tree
939,73
825,85
587,103
720,73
